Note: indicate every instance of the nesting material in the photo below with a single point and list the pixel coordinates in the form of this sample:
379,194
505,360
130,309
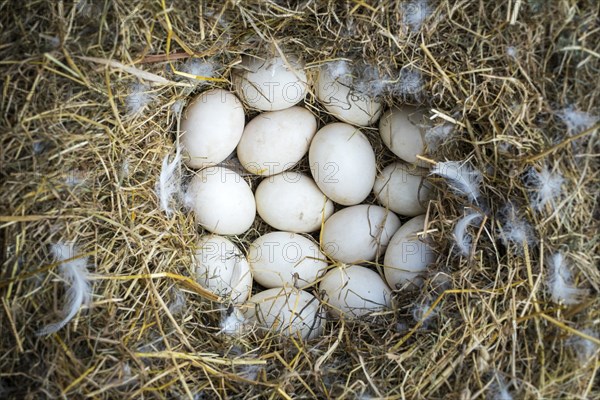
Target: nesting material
545,186
463,239
462,178
560,283
76,276
62,110
169,182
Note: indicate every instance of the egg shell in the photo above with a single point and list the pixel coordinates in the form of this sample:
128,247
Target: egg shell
359,233
342,101
285,259
342,163
211,127
407,257
287,310
400,131
292,202
222,201
353,291
402,189
222,268
272,84
275,141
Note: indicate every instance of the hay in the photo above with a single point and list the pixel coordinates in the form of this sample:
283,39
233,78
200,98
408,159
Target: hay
76,165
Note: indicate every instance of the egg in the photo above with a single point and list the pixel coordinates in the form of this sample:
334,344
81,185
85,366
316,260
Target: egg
407,257
359,233
275,141
222,268
289,311
402,189
285,259
272,84
292,202
353,291
222,201
342,163
211,127
342,101
401,131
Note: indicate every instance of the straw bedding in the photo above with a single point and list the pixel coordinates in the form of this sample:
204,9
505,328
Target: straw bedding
79,160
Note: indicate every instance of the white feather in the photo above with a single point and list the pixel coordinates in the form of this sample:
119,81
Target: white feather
139,98
515,229
233,322
410,83
546,186
499,390
168,181
559,282
463,240
199,68
414,13
339,70
437,135
75,274
577,121
585,349
462,178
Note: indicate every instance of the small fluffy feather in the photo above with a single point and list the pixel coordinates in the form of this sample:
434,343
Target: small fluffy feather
463,240
371,83
177,303
200,68
499,390
414,13
546,186
177,106
74,177
560,286
232,322
436,135
512,51
139,98
410,83
423,313
515,229
168,181
339,70
577,121
462,178
585,349
75,274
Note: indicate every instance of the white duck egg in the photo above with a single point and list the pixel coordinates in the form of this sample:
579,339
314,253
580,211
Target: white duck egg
275,141
402,189
342,163
342,101
289,311
272,84
407,256
359,233
353,291
211,127
222,268
401,131
292,202
222,201
280,259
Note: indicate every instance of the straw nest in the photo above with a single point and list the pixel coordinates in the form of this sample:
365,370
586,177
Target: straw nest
77,165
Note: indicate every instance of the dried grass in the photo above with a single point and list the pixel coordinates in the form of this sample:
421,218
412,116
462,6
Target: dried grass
501,72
